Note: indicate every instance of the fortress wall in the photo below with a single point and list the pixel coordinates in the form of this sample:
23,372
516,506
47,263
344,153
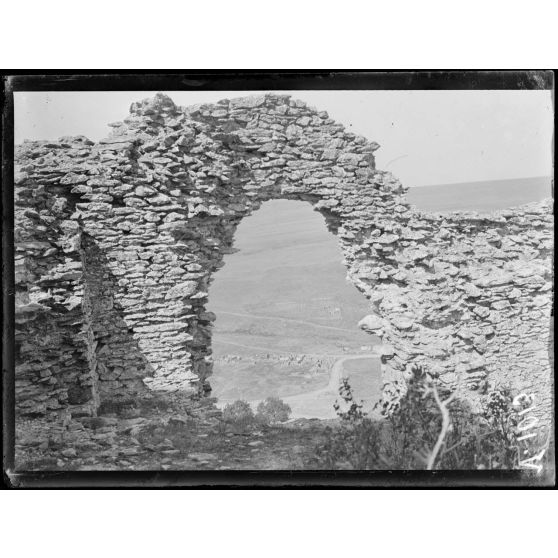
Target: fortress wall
153,209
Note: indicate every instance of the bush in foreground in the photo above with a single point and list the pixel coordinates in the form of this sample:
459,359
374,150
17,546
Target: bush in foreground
272,411
431,429
239,414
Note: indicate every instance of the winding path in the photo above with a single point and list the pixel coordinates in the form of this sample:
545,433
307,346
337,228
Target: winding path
278,351
317,403
292,320
313,404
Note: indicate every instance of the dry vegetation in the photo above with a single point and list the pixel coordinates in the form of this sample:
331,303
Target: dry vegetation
434,429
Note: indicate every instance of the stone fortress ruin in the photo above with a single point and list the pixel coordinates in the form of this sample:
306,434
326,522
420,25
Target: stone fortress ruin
116,243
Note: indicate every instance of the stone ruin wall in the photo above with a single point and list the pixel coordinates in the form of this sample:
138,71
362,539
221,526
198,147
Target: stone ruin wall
117,241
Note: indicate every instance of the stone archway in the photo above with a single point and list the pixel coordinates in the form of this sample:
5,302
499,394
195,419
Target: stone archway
137,224
286,316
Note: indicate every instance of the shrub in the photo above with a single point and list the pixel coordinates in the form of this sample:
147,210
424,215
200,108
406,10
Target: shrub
356,443
239,414
272,411
429,428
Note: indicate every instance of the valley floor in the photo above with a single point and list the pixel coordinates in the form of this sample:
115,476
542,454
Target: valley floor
318,403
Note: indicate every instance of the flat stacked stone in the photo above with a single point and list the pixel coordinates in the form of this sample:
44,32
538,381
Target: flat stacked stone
117,243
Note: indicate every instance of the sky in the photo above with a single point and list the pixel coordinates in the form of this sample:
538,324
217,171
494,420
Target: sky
426,137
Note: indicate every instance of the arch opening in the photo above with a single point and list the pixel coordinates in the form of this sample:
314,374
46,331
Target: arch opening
286,316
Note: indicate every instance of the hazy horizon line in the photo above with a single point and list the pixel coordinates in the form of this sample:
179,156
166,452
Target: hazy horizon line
547,177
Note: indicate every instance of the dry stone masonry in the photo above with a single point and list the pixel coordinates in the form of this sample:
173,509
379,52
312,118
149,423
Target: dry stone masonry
117,243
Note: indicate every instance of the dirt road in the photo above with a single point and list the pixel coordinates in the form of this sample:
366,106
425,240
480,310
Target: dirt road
291,320
317,403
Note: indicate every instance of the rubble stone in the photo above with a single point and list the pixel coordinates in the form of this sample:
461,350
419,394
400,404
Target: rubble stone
116,244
